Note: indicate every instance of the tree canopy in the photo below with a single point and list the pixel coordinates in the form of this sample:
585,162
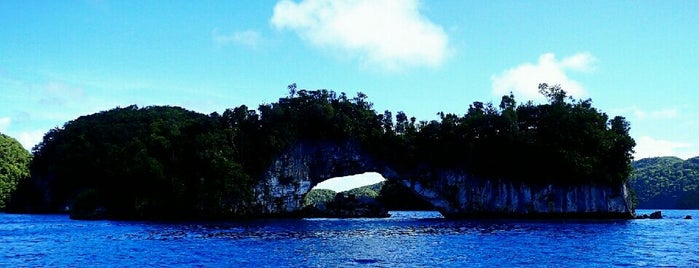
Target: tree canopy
14,167
140,162
666,182
563,141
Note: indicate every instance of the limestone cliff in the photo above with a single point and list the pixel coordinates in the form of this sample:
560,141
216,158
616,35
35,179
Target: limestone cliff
453,193
456,194
294,173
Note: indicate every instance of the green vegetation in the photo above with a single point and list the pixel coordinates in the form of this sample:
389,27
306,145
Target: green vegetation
357,202
14,167
564,141
666,183
369,191
389,194
167,162
318,197
160,162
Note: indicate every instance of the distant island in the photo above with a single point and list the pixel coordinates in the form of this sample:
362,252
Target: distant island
666,183
563,158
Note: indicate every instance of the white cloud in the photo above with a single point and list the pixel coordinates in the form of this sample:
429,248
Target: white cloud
642,114
650,147
389,34
667,113
341,184
524,79
60,93
4,123
30,138
247,38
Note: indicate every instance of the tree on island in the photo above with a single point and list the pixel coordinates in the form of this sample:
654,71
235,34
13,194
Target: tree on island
666,183
14,167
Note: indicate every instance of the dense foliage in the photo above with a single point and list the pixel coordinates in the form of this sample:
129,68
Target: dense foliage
14,167
170,162
131,162
318,197
323,198
666,183
315,197
563,141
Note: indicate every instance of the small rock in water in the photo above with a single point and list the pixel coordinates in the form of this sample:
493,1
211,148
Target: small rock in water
366,261
656,215
688,217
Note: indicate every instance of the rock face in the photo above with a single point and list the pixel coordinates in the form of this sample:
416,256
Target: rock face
453,193
654,216
293,174
456,194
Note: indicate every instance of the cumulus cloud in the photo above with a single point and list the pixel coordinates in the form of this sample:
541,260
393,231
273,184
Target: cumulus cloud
4,123
341,184
389,34
667,113
247,38
30,138
645,114
650,147
59,93
524,79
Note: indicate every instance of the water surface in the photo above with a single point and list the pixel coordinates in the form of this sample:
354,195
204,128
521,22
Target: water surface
406,239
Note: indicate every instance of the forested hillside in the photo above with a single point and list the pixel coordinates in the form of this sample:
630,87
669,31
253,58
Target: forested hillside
666,182
14,167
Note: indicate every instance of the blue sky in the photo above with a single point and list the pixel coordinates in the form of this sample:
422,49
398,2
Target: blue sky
638,59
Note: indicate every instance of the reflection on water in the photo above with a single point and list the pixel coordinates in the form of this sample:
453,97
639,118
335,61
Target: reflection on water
405,239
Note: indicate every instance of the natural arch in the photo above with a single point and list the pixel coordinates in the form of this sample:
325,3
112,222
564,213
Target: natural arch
454,193
293,174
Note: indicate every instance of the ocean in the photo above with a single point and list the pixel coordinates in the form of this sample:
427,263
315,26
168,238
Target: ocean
406,239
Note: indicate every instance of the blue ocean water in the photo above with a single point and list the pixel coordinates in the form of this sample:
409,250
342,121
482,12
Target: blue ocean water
407,239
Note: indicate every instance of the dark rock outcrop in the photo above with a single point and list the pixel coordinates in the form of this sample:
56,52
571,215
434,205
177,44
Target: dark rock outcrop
655,215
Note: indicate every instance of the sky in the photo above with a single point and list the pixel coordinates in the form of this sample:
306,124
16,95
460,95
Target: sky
638,59
341,184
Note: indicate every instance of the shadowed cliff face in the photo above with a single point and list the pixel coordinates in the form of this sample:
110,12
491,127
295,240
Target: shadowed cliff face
454,193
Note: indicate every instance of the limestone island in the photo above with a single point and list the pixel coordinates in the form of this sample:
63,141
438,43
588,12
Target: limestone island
560,159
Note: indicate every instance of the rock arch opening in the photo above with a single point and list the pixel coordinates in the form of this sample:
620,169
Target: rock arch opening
352,196
294,173
346,183
362,195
